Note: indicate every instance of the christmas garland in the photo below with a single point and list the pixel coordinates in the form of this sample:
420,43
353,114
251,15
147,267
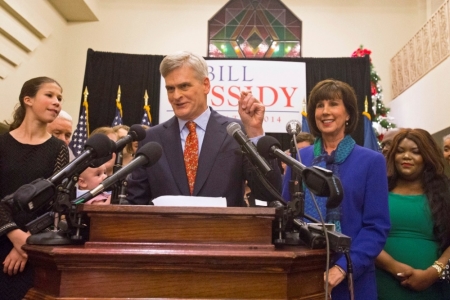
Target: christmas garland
382,121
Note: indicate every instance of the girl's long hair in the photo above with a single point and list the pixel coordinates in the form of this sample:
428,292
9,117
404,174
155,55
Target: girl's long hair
30,89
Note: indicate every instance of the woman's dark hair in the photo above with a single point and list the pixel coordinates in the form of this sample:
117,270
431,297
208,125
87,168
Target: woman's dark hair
435,183
331,89
29,89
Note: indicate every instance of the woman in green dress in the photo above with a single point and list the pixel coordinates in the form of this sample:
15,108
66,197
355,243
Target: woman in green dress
417,247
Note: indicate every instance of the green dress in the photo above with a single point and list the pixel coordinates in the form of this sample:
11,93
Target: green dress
410,241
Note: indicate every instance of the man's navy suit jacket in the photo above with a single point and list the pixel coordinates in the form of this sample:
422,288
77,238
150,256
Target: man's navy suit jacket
222,168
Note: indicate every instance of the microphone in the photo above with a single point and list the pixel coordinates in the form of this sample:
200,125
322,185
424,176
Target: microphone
146,156
35,195
136,133
293,127
97,146
234,130
320,181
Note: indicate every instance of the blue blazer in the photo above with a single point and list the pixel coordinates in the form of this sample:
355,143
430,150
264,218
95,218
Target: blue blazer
222,168
365,216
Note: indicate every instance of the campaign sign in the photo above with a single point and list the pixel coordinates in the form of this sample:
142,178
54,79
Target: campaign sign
279,85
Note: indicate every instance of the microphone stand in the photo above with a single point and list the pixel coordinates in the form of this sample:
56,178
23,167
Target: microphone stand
287,214
123,191
297,203
61,207
118,189
296,184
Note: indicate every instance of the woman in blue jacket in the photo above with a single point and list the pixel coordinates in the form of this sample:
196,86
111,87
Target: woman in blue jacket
363,214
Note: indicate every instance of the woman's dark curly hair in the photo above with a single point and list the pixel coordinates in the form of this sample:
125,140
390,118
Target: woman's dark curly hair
435,183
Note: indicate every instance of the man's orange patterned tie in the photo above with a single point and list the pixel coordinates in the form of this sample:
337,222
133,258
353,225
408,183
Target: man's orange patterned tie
191,155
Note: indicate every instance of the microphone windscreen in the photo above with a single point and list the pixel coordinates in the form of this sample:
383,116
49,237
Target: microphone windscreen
152,151
137,132
336,193
232,128
293,127
100,145
112,147
95,163
265,145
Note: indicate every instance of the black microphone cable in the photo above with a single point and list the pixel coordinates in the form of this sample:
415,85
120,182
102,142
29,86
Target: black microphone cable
350,275
328,255
327,243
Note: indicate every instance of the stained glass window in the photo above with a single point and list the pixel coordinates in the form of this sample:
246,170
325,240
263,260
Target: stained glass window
254,29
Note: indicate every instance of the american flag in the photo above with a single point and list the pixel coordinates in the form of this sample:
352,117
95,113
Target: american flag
81,132
147,117
118,117
305,126
370,139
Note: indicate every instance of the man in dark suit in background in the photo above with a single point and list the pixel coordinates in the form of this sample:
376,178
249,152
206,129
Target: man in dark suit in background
222,168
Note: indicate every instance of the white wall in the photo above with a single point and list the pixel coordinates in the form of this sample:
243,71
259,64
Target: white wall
336,28
426,104
331,28
46,60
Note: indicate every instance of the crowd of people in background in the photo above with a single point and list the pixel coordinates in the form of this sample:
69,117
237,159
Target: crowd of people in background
396,202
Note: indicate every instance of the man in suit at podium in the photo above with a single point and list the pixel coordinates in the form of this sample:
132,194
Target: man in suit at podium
199,157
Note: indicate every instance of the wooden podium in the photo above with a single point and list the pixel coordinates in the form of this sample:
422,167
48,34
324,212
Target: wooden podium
137,252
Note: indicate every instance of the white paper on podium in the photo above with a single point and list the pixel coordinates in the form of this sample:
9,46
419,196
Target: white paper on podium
260,202
193,201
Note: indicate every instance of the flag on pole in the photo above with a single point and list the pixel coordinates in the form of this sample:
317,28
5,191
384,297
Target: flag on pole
147,117
81,133
370,139
118,115
305,126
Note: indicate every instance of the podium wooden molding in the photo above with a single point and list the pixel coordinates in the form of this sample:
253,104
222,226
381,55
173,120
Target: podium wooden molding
148,252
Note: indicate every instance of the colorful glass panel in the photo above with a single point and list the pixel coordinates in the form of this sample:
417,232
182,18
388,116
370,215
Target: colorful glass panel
254,29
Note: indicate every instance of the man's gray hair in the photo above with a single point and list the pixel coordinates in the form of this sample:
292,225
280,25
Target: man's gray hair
179,59
64,115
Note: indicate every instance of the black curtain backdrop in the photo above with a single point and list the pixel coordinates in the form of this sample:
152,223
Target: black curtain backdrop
105,71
